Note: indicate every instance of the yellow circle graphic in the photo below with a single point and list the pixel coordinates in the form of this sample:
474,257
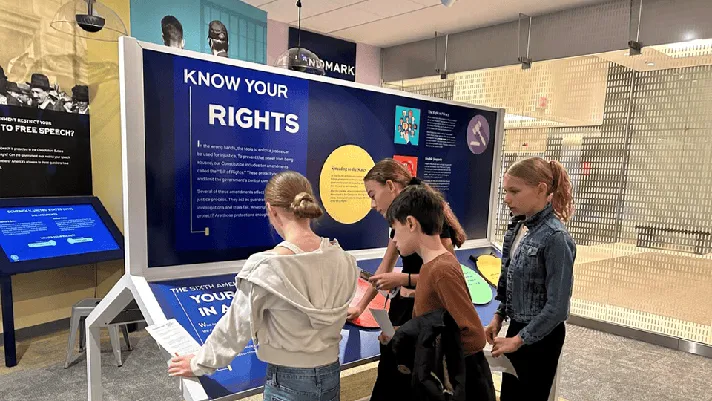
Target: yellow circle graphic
341,184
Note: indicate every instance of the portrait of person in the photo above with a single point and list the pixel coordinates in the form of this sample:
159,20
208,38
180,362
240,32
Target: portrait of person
5,97
80,99
172,32
21,92
217,38
40,89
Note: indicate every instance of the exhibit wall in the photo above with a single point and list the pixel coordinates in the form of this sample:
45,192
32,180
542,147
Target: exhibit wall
238,29
633,132
31,46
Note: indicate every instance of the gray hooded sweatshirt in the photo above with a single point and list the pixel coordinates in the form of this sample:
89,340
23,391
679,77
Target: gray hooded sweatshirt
293,307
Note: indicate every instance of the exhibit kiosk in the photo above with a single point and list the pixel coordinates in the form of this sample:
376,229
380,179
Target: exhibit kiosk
201,137
50,233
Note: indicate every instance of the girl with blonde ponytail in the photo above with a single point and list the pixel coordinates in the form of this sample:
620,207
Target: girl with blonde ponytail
292,301
534,289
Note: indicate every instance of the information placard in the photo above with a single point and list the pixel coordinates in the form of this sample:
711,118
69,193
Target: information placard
44,153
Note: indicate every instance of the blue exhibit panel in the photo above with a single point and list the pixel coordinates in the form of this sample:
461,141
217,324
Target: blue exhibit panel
216,133
41,232
198,303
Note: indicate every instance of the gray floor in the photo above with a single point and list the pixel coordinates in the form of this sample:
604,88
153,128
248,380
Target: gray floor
598,367
603,367
142,377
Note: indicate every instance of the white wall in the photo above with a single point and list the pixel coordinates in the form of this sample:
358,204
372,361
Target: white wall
277,40
368,64
368,58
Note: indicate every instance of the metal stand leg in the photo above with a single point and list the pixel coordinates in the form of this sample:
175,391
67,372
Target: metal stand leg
8,321
125,332
73,328
82,333
115,344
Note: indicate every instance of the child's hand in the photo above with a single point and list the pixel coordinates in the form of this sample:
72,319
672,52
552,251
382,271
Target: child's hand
353,313
506,345
387,281
180,366
492,330
384,339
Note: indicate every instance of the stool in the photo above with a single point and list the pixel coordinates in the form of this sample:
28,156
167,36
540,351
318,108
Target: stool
80,311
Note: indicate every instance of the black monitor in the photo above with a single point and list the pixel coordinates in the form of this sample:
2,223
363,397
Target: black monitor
48,233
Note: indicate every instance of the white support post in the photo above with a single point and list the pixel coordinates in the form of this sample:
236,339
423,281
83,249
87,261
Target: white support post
93,350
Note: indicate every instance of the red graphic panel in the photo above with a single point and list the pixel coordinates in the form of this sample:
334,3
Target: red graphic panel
366,319
411,163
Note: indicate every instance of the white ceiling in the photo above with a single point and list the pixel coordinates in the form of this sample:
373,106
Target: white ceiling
386,23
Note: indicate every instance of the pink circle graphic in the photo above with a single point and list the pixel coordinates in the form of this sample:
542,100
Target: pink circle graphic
478,135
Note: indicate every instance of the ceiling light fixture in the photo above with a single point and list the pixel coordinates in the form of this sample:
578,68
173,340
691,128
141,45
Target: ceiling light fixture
299,58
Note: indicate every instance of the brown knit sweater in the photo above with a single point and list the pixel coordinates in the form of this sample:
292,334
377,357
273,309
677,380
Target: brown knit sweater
442,285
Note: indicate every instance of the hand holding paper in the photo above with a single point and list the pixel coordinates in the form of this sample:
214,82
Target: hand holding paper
180,366
172,337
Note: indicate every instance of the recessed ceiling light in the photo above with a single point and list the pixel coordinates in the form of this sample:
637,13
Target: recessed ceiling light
650,63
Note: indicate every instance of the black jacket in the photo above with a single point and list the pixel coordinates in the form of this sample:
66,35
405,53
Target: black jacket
429,348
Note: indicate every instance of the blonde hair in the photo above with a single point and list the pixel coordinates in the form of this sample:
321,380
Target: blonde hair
293,192
393,170
536,170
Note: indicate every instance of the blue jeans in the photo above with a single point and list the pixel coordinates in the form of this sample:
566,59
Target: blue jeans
303,384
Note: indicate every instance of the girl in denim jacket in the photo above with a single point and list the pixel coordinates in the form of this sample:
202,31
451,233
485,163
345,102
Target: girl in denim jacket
534,289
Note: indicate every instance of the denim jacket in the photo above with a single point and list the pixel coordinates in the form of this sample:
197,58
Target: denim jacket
537,280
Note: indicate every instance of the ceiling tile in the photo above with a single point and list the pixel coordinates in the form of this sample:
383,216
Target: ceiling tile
280,10
338,19
312,8
386,23
389,8
427,2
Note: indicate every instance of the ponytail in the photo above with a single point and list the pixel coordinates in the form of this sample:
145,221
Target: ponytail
562,199
536,170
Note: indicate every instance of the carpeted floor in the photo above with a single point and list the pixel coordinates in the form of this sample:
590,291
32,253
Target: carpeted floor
597,367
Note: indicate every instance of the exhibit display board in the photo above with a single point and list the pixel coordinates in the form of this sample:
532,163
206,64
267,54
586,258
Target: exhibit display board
202,135
216,132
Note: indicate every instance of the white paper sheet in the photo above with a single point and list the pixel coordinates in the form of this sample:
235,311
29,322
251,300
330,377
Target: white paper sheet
172,337
381,316
499,364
